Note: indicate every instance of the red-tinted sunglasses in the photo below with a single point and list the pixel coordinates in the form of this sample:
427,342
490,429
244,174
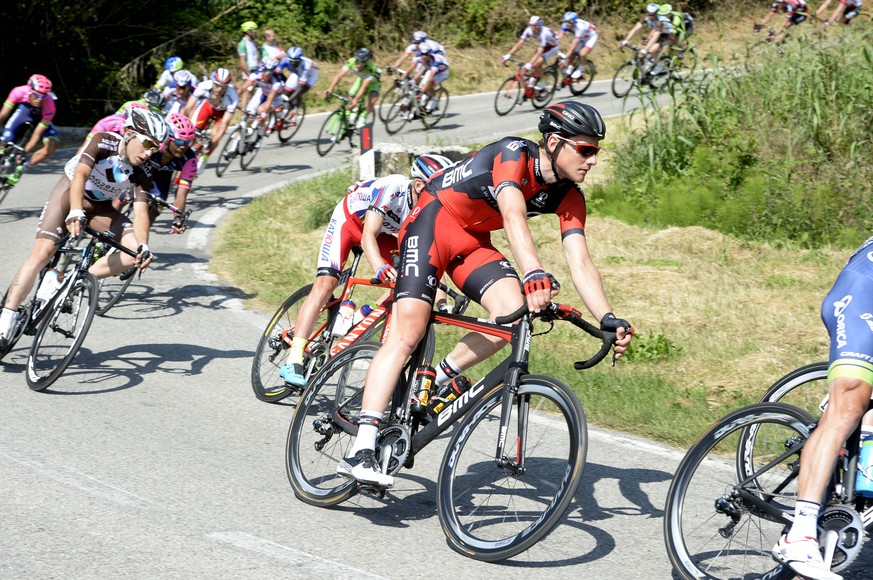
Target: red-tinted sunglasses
586,150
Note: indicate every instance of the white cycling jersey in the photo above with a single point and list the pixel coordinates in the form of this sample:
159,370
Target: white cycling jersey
546,38
227,103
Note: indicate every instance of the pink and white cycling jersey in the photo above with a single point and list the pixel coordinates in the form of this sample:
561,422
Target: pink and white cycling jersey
387,196
547,37
21,94
110,124
266,81
227,103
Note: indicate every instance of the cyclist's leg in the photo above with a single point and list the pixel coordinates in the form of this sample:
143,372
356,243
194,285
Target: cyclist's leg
49,146
218,129
107,218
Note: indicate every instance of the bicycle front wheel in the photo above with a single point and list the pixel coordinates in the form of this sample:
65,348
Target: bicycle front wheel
494,510
508,95
228,152
331,131
250,148
273,348
398,113
292,121
806,387
580,85
625,78
546,87
62,332
316,441
437,108
712,527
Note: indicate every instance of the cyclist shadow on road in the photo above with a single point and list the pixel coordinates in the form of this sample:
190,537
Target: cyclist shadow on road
128,366
144,302
18,214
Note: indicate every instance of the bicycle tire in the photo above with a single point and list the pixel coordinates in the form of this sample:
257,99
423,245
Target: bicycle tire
398,113
273,346
579,86
109,292
549,81
288,131
228,152
47,361
625,78
251,147
712,545
805,387
537,498
331,131
507,97
315,444
441,96
385,101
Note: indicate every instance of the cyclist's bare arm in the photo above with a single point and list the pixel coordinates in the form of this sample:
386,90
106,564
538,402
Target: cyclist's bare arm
372,228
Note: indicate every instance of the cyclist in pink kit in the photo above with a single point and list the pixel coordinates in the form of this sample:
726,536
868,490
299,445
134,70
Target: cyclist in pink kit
32,104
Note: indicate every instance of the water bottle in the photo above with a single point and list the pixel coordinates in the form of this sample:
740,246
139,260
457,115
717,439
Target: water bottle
361,314
449,392
99,250
864,480
343,322
49,285
425,377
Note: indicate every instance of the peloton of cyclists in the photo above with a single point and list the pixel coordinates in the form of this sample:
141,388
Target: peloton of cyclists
365,88
844,12
213,101
547,47
370,215
429,69
584,38
30,104
662,33
85,192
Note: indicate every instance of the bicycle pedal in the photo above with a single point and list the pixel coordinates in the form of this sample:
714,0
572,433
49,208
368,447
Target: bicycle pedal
371,489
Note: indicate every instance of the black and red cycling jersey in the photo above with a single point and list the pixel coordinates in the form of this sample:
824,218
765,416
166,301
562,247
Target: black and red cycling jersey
449,228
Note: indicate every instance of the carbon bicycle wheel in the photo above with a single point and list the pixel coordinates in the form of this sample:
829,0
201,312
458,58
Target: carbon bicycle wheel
385,101
508,95
110,290
580,85
438,111
272,349
546,87
626,77
710,530
316,443
250,147
62,332
228,152
805,387
398,113
292,121
331,131
491,512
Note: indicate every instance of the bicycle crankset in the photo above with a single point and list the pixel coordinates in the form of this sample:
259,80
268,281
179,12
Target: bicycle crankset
849,533
392,448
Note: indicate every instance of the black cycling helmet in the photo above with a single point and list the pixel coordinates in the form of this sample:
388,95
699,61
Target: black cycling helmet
155,99
572,118
363,55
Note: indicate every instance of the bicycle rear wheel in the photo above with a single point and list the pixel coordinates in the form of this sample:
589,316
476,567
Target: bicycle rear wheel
228,152
272,349
316,443
625,78
398,113
580,85
292,121
492,512
546,88
331,131
711,530
806,387
508,95
436,114
110,290
62,332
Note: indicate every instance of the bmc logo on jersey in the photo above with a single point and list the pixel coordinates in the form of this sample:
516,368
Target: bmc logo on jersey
515,145
452,176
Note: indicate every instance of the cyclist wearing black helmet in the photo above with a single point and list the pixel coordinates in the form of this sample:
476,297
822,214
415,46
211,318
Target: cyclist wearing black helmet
366,86
449,231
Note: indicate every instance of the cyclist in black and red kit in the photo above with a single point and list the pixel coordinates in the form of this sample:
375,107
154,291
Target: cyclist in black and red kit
449,231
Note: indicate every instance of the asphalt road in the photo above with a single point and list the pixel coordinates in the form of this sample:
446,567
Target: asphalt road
151,458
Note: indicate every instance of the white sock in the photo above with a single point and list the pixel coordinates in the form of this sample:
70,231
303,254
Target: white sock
805,521
368,430
447,370
7,321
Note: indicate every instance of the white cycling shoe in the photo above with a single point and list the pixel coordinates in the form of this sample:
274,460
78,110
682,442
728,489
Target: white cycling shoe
803,557
364,468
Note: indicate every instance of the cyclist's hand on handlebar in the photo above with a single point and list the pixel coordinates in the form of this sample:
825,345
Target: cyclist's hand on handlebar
506,57
143,257
758,27
539,289
623,332
386,273
75,221
623,43
527,67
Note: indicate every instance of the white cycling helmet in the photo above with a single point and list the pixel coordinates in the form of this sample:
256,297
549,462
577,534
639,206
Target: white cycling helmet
535,21
147,124
652,8
424,166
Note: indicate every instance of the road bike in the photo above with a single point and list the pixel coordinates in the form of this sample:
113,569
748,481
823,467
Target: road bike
60,318
522,86
111,289
339,125
244,141
11,157
733,496
577,85
397,87
407,105
513,463
639,72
